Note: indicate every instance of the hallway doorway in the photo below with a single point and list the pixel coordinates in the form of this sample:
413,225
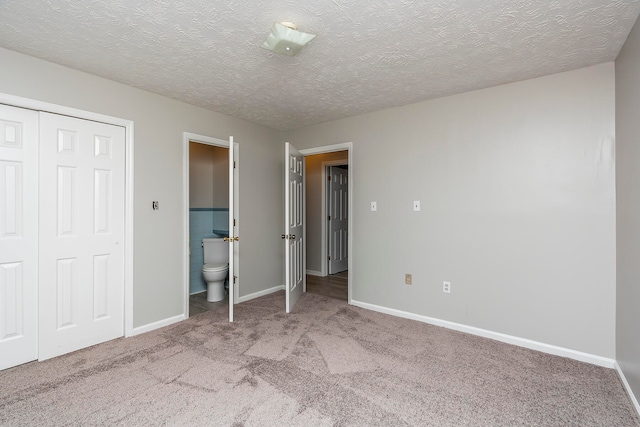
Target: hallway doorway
322,244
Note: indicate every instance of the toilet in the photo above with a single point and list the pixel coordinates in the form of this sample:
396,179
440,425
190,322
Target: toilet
215,268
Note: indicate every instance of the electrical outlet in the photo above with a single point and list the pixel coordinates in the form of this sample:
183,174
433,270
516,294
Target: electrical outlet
408,279
446,287
155,205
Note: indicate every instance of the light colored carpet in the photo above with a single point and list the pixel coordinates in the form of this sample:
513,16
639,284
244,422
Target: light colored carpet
326,364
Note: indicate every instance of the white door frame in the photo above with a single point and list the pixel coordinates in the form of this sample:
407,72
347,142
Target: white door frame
31,104
345,146
188,137
324,266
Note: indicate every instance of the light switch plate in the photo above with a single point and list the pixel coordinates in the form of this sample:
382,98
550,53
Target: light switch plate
374,206
416,205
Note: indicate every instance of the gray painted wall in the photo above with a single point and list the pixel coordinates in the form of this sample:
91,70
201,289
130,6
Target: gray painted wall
628,208
516,184
159,124
313,187
518,207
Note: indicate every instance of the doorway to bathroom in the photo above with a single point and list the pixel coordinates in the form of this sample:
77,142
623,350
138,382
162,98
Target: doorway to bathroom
211,206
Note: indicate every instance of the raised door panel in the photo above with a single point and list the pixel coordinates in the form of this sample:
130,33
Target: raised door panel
66,293
102,197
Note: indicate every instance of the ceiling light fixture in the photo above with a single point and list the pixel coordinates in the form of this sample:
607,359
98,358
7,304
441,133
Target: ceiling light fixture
285,39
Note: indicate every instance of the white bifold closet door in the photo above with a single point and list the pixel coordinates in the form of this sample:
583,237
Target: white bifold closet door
61,234
18,236
81,224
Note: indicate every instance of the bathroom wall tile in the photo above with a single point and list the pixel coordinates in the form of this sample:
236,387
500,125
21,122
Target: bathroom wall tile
201,225
221,220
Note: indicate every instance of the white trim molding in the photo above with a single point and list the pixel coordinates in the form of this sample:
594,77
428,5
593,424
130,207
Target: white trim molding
627,387
509,339
344,146
128,224
157,325
261,293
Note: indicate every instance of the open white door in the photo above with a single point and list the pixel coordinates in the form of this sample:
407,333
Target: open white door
338,219
233,239
293,226
18,236
236,223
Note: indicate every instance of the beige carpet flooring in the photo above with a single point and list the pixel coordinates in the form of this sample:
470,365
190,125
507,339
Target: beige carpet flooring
326,364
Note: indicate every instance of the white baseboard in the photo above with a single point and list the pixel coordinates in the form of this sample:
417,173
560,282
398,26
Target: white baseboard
627,387
260,293
509,339
156,325
314,273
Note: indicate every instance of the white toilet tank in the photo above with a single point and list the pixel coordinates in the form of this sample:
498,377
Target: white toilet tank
215,250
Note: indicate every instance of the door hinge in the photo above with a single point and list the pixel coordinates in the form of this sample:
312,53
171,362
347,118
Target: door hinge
329,217
329,257
329,178
234,279
234,164
234,222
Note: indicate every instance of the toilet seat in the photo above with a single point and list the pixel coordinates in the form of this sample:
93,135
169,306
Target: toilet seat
215,266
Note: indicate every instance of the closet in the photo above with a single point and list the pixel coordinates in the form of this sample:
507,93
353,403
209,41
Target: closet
62,212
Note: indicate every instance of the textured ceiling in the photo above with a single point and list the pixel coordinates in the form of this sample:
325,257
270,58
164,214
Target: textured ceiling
368,54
